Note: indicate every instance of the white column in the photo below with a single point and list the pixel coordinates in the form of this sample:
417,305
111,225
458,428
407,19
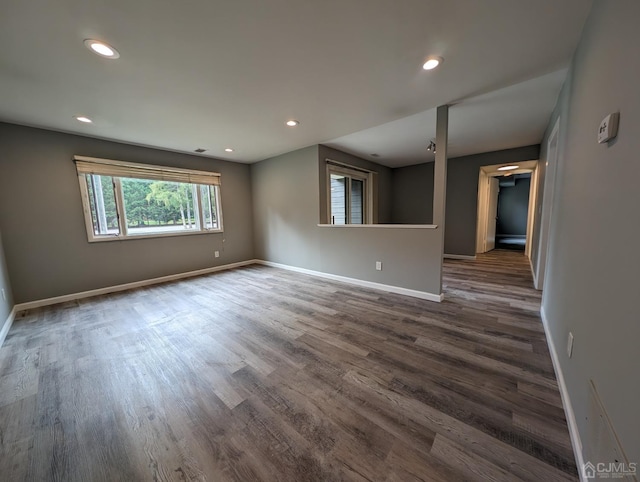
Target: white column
440,176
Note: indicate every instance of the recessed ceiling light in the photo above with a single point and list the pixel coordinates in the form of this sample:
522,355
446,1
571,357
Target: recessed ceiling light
101,48
84,119
508,168
228,149
432,62
292,123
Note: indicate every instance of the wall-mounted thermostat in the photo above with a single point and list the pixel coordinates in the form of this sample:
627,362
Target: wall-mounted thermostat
608,128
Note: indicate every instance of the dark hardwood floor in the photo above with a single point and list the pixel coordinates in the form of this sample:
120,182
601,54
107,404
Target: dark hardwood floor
264,374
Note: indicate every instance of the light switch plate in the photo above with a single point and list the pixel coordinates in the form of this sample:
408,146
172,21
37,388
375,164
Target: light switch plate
608,128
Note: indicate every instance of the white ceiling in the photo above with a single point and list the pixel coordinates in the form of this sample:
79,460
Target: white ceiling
514,116
214,74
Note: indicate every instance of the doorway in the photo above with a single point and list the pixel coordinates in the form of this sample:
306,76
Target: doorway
512,210
506,221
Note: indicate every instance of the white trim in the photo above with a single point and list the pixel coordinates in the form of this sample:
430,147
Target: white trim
531,211
189,274
481,221
127,286
349,166
118,237
546,213
493,194
533,274
358,282
386,226
124,234
458,256
352,172
574,434
7,325
488,189
123,222
525,166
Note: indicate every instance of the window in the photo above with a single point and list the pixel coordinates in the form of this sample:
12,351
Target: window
349,195
122,200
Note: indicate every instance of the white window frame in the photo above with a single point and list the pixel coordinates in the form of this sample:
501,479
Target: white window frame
109,167
351,172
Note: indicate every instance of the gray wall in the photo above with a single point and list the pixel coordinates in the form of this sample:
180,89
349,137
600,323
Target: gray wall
591,286
382,189
286,202
462,195
41,216
513,207
412,194
5,305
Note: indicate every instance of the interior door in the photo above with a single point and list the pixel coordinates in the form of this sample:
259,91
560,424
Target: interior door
481,230
492,213
531,212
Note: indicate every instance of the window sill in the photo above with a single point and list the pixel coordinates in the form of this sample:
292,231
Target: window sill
149,236
381,226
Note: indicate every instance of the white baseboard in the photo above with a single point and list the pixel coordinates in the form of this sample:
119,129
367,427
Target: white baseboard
458,256
127,286
174,277
7,325
358,282
576,443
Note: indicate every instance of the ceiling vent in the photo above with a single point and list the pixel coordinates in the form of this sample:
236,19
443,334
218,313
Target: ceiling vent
200,150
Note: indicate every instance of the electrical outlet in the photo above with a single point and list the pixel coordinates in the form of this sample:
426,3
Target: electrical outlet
379,265
4,295
570,344
216,254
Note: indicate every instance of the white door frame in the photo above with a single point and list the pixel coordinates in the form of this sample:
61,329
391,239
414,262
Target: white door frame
531,212
492,214
483,204
483,196
547,204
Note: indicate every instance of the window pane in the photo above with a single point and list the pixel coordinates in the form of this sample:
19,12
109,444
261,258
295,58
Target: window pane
102,203
209,207
338,199
357,205
156,207
139,210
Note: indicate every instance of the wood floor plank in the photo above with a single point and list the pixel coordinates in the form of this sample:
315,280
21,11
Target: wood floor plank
16,436
20,379
263,374
408,464
472,466
450,349
551,397
498,452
